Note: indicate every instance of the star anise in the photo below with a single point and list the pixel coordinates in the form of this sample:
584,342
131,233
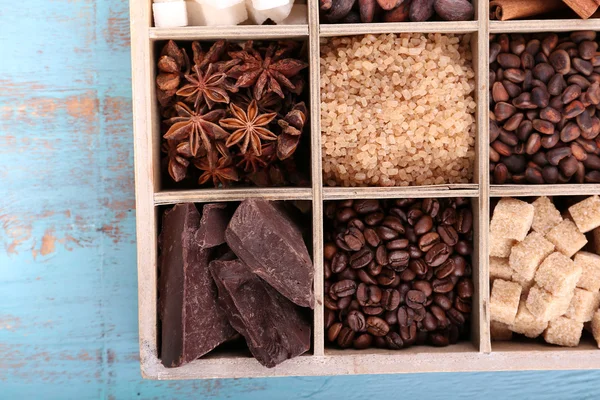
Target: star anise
251,162
220,170
249,128
207,86
196,126
267,104
292,126
177,154
202,59
172,65
270,73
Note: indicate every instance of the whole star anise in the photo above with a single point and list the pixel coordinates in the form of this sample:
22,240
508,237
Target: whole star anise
207,86
270,73
249,128
178,154
251,162
219,170
196,126
172,65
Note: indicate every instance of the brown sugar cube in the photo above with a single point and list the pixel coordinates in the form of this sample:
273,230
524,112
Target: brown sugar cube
504,301
559,306
525,284
499,269
596,327
539,303
558,274
528,324
563,331
526,256
586,213
512,219
500,331
567,238
545,215
590,271
500,247
583,305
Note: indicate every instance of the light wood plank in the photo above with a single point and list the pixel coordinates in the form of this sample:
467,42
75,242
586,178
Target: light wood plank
242,32
544,190
458,190
329,30
544,25
317,177
458,358
236,194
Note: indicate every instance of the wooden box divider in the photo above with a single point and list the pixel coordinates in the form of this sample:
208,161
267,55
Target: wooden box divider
476,355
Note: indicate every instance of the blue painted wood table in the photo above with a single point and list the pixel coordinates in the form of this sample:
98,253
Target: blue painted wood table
68,290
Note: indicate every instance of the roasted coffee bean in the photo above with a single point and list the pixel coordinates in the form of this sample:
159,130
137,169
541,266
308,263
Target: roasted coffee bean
463,305
374,218
464,221
449,216
377,326
374,269
334,331
386,233
398,244
365,277
446,269
430,323
345,337
390,299
437,255
398,260
356,224
423,225
423,286
442,301
339,262
465,288
394,341
371,237
418,267
345,214
373,310
428,240
354,239
407,275
386,277
357,321
398,212
381,255
343,288
463,247
442,285
409,334
343,303
438,339
394,223
366,206
455,316
363,341
361,258
448,234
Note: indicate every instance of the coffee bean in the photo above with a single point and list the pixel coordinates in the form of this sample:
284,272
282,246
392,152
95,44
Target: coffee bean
334,331
374,269
386,233
398,244
442,285
463,305
339,262
373,310
418,267
428,240
354,239
449,234
437,255
455,316
464,222
371,237
344,288
394,223
390,299
386,277
463,247
361,258
377,326
345,337
374,218
381,255
363,341
366,206
345,214
409,334
394,341
423,225
365,277
398,260
357,321
407,275
465,288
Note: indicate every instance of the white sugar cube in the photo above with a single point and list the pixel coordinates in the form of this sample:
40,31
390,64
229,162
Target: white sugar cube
204,13
268,4
278,14
170,14
298,15
255,17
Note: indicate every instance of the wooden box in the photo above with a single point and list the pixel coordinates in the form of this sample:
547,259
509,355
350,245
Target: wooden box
477,355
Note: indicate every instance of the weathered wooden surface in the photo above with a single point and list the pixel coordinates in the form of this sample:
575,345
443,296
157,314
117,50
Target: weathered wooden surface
68,290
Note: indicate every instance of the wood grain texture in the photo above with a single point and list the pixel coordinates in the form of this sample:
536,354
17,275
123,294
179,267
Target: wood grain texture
68,281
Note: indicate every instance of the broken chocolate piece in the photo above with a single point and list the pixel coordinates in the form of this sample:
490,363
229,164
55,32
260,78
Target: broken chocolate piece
271,245
273,326
193,323
215,218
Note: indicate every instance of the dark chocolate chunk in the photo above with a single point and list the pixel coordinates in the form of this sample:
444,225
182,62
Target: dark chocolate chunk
271,245
193,323
273,326
215,218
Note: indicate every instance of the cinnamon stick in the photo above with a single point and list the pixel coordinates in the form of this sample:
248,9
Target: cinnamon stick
504,10
583,8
